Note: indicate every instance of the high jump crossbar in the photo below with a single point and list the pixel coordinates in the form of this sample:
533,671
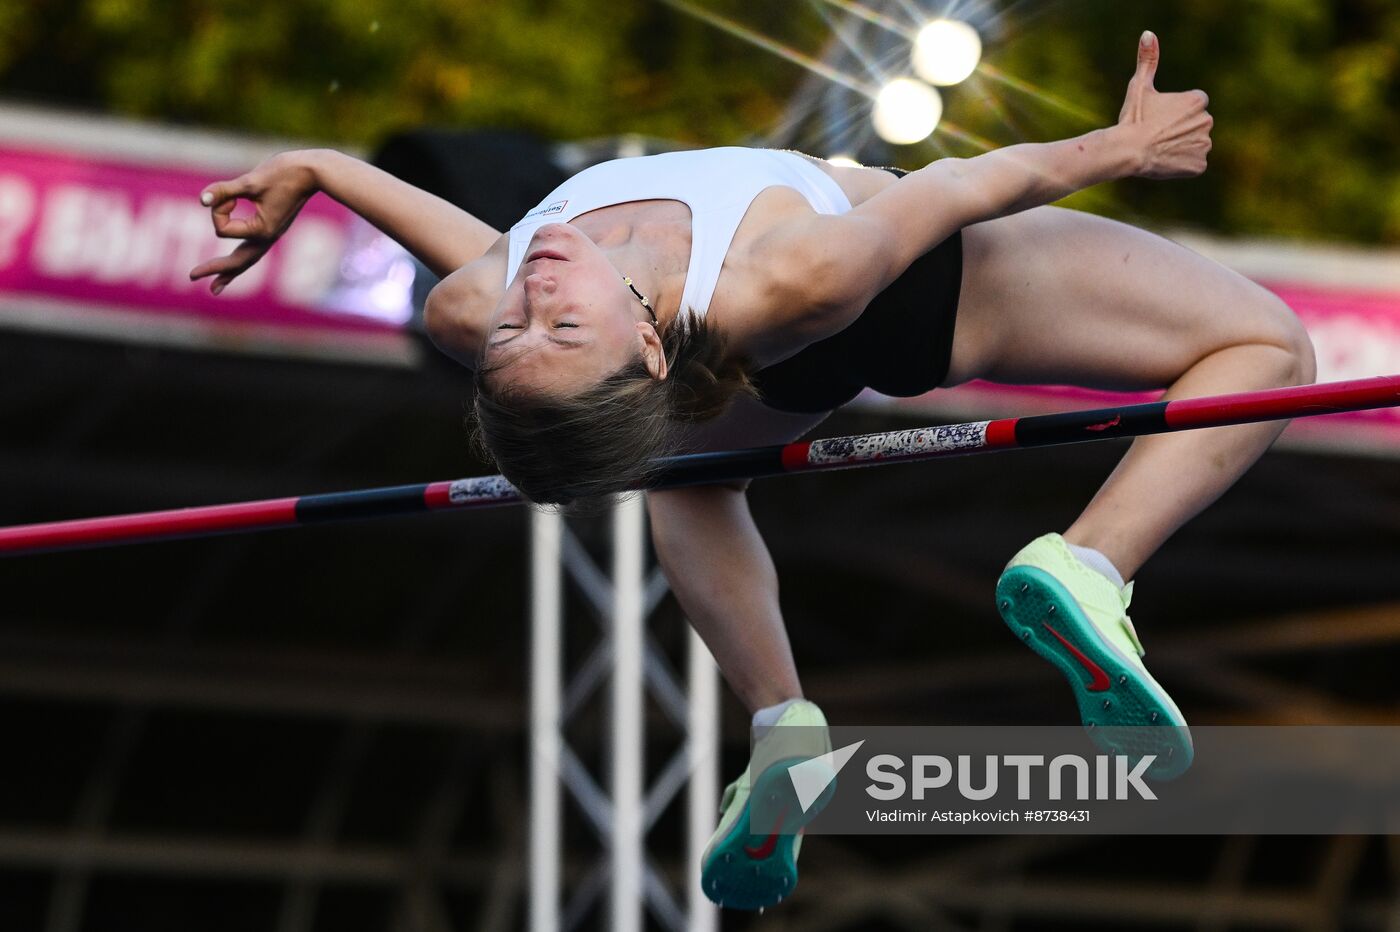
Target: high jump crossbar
878,449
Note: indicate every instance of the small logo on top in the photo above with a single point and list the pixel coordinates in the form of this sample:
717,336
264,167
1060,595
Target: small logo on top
549,210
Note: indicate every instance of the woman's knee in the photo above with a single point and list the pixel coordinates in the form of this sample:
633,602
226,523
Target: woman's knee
1280,327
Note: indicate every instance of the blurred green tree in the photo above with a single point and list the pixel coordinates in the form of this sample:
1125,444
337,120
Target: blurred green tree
1306,96
1306,93
351,70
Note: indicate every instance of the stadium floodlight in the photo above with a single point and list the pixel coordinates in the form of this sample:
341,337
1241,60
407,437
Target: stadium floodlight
845,161
946,51
906,111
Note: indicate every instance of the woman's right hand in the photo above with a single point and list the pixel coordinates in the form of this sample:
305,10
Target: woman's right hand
1171,131
278,189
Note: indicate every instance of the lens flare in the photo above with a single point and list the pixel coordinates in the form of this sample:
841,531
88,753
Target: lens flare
946,51
906,111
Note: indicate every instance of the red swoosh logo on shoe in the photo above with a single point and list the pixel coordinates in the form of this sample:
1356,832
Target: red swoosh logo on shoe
762,851
1117,419
1101,681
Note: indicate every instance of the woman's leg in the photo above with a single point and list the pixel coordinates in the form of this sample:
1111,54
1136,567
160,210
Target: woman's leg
720,570
718,565
1062,297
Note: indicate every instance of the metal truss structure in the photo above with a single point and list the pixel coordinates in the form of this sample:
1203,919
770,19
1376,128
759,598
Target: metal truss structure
631,665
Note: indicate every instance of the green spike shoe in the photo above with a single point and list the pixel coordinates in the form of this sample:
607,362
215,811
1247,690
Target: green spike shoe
745,868
1077,619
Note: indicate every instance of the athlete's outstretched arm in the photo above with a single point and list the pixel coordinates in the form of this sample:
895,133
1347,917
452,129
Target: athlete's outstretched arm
443,237
843,261
1157,136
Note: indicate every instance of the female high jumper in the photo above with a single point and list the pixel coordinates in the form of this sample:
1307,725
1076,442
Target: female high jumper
734,297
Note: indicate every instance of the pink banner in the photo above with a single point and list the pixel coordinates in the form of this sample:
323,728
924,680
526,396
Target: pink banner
1356,335
98,236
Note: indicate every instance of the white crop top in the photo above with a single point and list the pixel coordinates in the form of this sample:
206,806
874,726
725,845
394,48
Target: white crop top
717,184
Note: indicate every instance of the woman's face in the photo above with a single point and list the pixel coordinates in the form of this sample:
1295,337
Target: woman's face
567,320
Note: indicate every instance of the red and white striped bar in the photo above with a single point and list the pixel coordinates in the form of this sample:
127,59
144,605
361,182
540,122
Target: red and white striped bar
901,446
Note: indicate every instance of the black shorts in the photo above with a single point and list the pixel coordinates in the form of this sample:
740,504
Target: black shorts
900,345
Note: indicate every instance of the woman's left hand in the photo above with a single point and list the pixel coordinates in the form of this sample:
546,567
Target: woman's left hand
1170,131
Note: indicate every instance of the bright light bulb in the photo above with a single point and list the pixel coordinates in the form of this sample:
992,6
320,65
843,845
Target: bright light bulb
845,161
946,51
906,111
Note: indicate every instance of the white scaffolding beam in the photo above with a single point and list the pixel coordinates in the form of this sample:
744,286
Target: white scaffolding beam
627,742
546,678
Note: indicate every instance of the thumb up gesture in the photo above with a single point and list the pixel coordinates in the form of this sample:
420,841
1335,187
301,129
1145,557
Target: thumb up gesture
1171,131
